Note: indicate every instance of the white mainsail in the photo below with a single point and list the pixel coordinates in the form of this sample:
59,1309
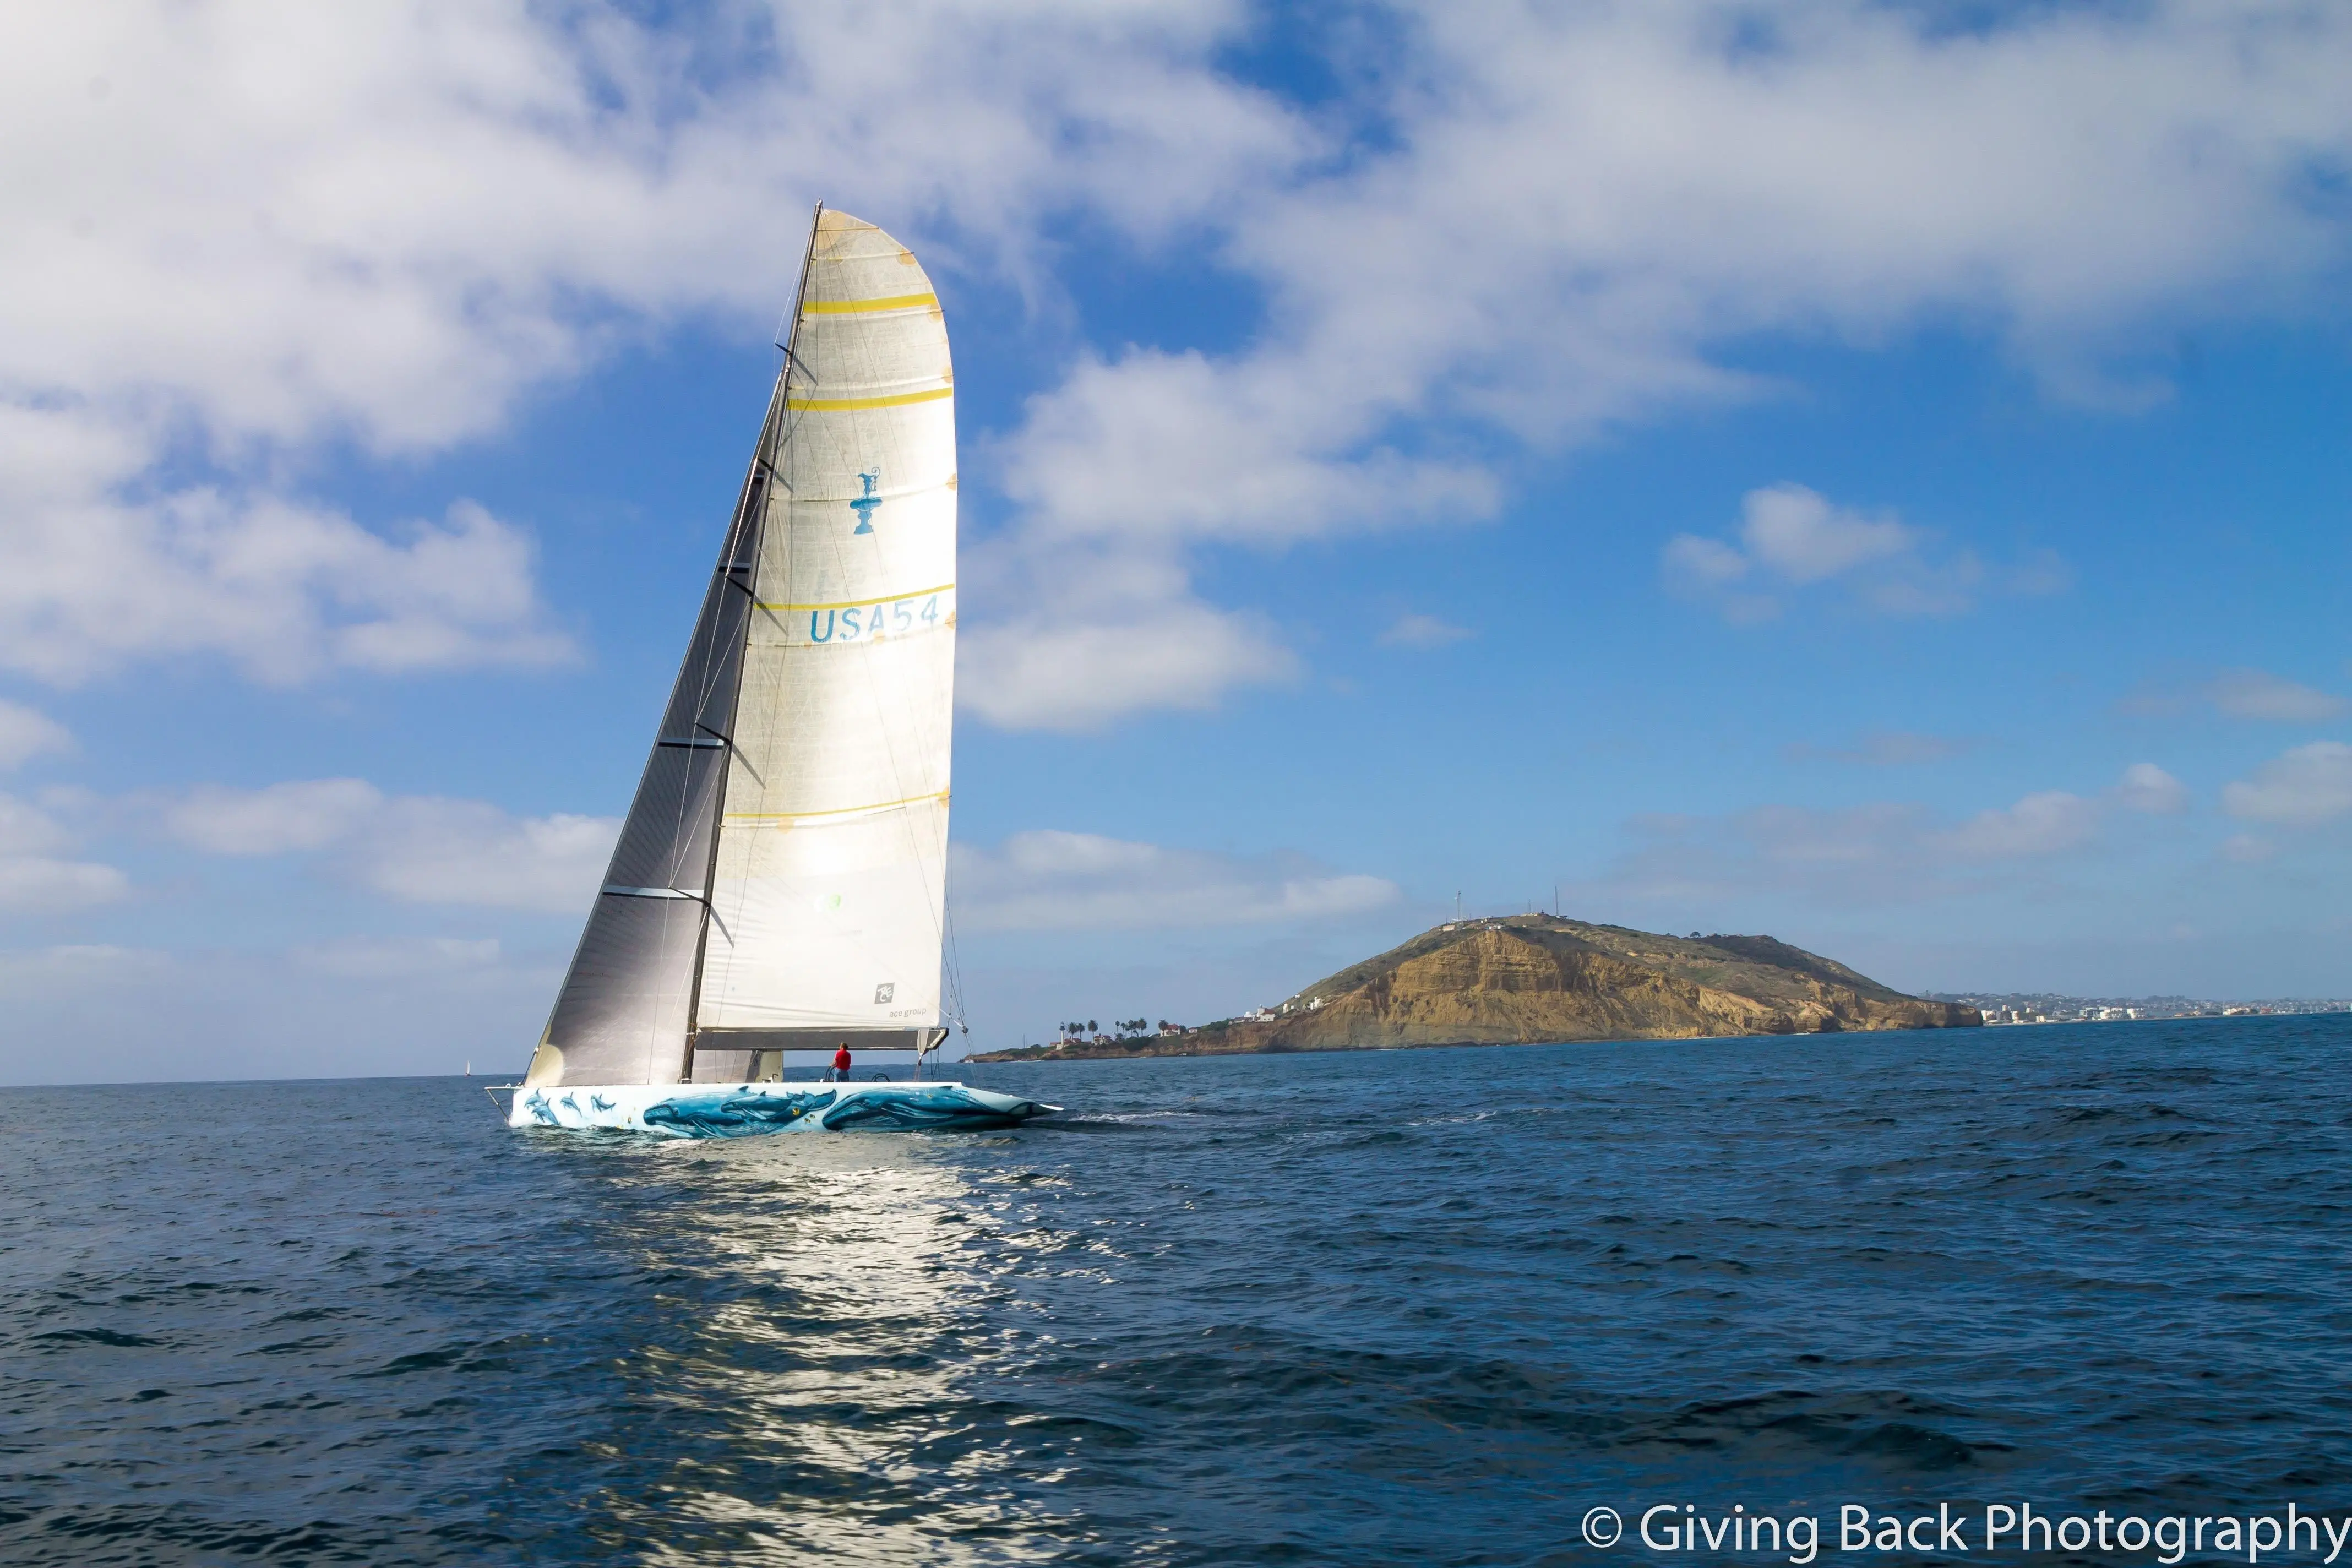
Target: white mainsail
827,904
780,879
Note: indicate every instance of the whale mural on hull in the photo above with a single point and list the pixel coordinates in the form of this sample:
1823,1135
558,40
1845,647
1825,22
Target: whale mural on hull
739,1110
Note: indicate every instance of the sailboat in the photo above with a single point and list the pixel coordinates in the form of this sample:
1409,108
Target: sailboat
780,882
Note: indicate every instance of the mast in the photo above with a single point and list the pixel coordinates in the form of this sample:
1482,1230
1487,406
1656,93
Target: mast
770,437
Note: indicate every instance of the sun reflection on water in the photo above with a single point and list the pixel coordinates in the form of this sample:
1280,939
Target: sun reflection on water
841,1308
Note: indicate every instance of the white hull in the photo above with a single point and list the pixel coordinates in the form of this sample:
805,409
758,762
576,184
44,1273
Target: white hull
739,1110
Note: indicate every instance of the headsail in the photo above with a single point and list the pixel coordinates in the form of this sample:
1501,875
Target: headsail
781,877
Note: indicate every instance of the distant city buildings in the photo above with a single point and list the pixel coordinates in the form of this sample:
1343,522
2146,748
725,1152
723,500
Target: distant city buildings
2042,1009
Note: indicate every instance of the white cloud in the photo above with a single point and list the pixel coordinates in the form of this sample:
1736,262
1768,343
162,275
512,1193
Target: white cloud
2148,788
39,884
92,578
1884,851
391,219
239,235
399,958
305,813
2050,822
1702,563
1120,470
26,733
1877,853
417,848
1580,204
1866,854
35,875
25,829
240,238
1415,630
1049,672
2240,693
2037,574
90,971
1794,532
1049,880
1173,447
1884,748
465,852
1795,538
2246,849
2258,694
2300,788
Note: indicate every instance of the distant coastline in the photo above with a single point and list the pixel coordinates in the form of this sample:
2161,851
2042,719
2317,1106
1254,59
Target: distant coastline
1541,978
2048,1008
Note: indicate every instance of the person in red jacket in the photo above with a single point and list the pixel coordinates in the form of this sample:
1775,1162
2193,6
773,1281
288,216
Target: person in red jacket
841,1064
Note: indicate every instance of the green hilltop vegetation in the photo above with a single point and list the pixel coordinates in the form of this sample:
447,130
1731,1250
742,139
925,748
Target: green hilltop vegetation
1538,979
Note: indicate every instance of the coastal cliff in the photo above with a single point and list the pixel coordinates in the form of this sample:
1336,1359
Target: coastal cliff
1533,979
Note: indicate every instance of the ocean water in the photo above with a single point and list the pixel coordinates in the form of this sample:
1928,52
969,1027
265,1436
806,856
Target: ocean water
1398,1307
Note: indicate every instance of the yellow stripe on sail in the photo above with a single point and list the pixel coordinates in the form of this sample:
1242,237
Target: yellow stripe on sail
838,811
827,405
861,603
855,307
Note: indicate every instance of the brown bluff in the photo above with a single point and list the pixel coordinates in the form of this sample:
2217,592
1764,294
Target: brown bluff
1535,979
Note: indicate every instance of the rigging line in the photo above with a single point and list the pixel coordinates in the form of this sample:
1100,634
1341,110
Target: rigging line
955,967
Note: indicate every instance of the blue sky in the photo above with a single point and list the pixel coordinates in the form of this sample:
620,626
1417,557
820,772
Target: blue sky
1878,477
